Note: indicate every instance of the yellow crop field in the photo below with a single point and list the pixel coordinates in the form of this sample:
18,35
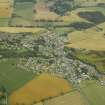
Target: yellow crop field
5,12
5,9
91,39
72,17
2,1
43,13
39,103
43,87
19,29
72,98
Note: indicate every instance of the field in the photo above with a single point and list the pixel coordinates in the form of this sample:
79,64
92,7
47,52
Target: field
72,17
5,13
5,10
83,26
72,98
43,13
39,103
43,87
4,22
23,14
94,92
94,37
90,39
16,76
19,30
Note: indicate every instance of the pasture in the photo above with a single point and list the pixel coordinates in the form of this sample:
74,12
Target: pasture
39,103
40,88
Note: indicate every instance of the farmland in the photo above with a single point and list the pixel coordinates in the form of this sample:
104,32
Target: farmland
52,52
20,17
20,30
43,13
93,92
5,12
72,98
8,67
80,39
5,9
43,87
92,40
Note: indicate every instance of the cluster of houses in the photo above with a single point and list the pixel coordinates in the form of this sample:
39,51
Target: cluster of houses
53,59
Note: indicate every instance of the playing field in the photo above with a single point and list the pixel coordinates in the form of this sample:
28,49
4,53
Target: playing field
43,87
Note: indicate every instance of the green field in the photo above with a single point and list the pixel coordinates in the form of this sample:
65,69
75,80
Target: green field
12,77
93,92
4,22
23,14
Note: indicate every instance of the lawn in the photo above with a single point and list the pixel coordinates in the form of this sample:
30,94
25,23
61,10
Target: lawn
93,92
